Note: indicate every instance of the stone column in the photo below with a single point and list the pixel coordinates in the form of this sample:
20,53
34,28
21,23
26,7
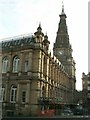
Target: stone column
7,92
18,94
18,99
28,93
21,66
30,60
28,108
42,66
38,89
10,63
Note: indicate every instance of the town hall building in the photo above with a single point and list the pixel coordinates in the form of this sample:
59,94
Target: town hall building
33,79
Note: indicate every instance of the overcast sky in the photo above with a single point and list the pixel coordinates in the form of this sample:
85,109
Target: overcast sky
19,17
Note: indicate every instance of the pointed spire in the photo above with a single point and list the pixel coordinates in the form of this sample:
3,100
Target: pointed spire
63,13
62,8
39,28
46,38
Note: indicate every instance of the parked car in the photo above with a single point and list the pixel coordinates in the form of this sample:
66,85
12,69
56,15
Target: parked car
80,111
66,112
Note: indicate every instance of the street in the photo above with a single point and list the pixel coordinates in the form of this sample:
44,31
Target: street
54,117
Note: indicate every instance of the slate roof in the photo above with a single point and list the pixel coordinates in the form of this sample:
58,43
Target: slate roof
18,41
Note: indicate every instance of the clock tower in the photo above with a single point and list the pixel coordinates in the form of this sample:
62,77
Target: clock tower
62,48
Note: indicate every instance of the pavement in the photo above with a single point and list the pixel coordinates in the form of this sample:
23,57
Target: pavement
50,118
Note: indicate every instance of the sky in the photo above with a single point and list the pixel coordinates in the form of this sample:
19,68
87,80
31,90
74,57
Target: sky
20,17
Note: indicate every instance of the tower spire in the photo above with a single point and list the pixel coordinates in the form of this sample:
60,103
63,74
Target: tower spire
63,13
62,8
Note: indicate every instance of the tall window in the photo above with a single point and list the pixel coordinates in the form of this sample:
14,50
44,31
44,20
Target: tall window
26,65
13,94
2,94
16,61
23,96
5,65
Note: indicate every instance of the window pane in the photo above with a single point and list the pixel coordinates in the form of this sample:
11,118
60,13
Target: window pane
23,96
5,65
3,94
13,94
16,64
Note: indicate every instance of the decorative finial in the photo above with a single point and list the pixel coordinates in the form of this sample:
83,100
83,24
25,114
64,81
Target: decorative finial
46,37
46,33
39,28
62,7
39,24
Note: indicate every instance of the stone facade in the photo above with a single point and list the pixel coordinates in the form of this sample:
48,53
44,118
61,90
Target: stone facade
25,83
63,49
86,88
33,78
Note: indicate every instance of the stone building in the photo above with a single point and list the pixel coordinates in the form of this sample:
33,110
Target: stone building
32,78
86,89
63,49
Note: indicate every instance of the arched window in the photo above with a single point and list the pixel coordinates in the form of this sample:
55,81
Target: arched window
13,93
16,61
4,65
2,94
